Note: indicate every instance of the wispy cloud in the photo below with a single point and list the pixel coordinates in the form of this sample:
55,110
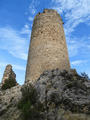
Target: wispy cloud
33,6
30,18
15,66
18,67
77,62
26,30
77,46
12,41
75,12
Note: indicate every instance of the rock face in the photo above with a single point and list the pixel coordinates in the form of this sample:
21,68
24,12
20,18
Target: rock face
65,95
8,103
8,73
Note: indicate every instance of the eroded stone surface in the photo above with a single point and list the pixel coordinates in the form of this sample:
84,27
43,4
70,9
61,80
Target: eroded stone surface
8,103
64,91
65,95
8,74
48,48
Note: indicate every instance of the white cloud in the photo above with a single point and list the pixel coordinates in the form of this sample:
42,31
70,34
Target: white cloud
77,62
73,50
33,6
12,41
77,46
16,67
26,30
33,11
75,12
26,26
30,18
73,46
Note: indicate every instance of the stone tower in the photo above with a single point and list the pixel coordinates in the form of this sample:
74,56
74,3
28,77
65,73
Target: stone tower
48,48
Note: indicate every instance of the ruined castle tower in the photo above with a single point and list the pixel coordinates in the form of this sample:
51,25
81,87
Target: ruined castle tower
8,73
48,48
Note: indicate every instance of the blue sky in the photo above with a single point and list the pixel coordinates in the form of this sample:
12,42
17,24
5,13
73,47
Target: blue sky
16,18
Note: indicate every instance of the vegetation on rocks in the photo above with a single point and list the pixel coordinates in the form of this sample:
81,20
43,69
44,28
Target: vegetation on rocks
29,105
85,75
10,82
56,95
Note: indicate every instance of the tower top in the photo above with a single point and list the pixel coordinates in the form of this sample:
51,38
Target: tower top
49,12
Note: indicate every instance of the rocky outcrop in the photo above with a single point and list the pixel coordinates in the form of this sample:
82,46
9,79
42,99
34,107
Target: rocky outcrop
8,103
65,95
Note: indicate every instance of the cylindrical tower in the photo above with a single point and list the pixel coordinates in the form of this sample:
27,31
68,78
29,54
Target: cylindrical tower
48,48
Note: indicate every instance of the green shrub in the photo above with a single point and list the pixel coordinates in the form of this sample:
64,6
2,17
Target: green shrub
29,105
84,75
8,84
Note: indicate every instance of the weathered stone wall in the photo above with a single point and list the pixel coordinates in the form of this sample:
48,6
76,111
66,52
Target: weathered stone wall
8,73
48,48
